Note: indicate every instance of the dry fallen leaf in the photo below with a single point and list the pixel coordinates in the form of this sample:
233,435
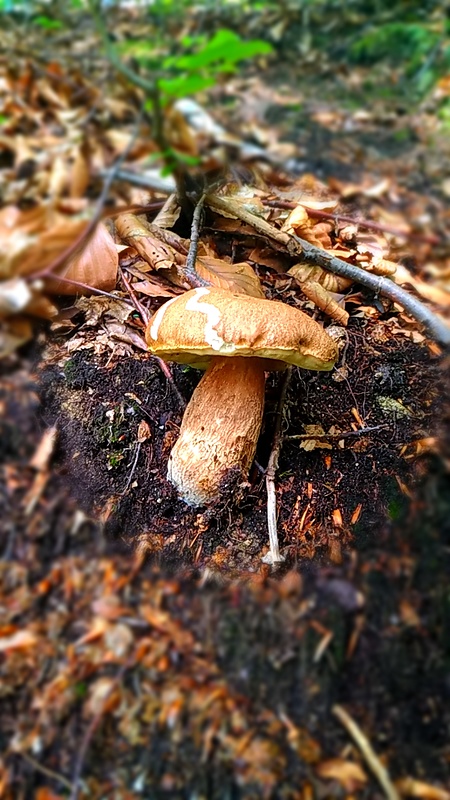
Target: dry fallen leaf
240,278
311,443
103,697
137,233
349,774
19,640
95,265
410,787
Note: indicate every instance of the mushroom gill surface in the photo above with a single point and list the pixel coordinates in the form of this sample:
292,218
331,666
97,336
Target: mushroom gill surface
220,429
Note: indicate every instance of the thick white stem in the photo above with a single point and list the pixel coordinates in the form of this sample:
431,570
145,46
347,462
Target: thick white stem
220,429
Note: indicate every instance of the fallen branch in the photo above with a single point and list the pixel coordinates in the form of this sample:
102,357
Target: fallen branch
153,182
344,435
314,255
92,728
189,271
368,753
49,773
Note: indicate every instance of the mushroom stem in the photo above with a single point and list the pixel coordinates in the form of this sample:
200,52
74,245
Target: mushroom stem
219,431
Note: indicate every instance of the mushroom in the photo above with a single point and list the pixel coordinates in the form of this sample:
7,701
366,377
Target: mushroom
236,338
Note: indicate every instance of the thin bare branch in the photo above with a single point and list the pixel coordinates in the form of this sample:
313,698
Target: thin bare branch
315,255
92,728
145,316
371,758
343,435
274,557
189,270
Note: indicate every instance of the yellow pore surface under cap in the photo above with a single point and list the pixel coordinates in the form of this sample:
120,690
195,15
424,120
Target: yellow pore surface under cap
207,322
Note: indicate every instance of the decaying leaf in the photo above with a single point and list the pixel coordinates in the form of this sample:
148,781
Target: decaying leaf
320,297
169,214
155,252
19,640
96,308
350,775
312,443
103,697
95,265
301,224
15,295
410,787
14,332
239,277
329,281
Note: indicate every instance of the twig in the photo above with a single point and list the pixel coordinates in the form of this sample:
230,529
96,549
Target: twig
344,435
153,182
380,285
371,758
50,773
93,289
92,727
314,255
189,270
162,364
145,316
273,556
361,223
166,371
133,467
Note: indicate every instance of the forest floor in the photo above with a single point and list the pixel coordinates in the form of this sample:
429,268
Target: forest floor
147,651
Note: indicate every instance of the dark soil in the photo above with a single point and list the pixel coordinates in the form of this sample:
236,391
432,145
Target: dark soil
387,381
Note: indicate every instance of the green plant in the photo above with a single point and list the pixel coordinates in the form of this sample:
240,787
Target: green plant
166,76
47,23
421,51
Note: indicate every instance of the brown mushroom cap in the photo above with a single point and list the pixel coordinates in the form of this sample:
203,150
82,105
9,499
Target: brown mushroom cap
207,322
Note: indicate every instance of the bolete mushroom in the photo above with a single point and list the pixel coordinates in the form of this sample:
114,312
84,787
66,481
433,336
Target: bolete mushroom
236,338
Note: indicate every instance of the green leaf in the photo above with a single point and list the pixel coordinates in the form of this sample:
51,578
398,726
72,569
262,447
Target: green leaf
224,46
185,85
48,24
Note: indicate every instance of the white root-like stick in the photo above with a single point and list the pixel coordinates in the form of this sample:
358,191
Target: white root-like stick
373,762
274,557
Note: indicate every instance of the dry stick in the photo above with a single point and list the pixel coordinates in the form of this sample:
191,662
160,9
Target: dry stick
344,435
133,468
189,271
142,311
361,223
371,758
50,773
94,290
274,557
153,182
90,732
314,255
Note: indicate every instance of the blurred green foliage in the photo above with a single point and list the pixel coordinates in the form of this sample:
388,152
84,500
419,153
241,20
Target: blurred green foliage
410,37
